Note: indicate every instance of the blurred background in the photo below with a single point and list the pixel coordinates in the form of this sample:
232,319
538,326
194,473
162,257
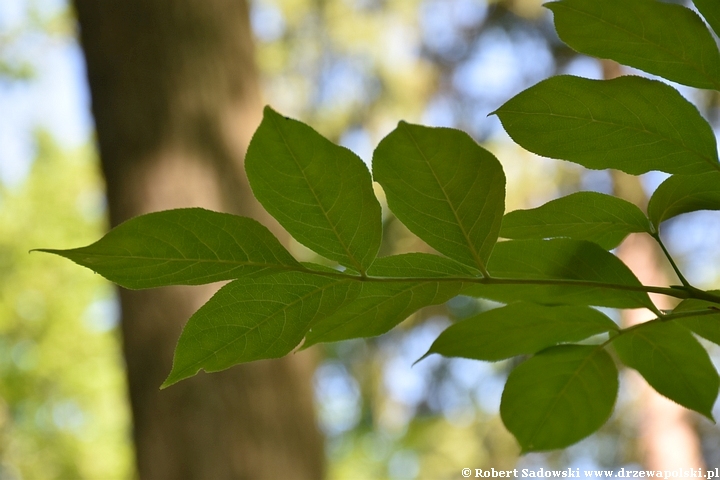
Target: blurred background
352,69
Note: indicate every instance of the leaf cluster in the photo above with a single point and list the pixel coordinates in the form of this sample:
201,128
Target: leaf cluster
553,267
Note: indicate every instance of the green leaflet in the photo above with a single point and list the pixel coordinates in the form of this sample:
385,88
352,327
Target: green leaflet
659,38
381,306
673,363
571,261
682,194
320,192
707,326
629,123
559,396
189,246
600,218
445,188
710,9
519,328
254,319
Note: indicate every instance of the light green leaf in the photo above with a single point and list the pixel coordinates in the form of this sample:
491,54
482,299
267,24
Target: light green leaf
629,123
710,9
445,188
673,363
189,246
519,328
559,396
584,269
600,218
659,38
381,306
254,319
684,193
707,326
320,192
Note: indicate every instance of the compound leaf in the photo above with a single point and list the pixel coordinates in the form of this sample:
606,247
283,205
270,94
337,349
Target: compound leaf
188,246
673,363
445,188
707,326
659,38
629,123
710,9
600,218
684,193
254,319
380,306
585,270
559,396
320,192
519,328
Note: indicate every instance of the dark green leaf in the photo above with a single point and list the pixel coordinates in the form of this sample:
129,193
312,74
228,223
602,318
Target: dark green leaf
659,38
320,192
673,363
600,218
710,9
254,319
381,306
559,396
707,326
445,188
684,193
188,246
584,269
519,328
629,123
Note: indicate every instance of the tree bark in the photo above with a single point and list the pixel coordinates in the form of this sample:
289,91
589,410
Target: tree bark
175,98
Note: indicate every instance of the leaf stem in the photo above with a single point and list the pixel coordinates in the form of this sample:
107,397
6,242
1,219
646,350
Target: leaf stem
682,278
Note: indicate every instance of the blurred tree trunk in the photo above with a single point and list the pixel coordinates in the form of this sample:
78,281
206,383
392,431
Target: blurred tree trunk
175,98
667,437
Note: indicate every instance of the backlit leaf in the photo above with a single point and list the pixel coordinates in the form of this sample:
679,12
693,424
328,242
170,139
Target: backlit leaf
320,192
600,218
381,306
707,326
254,319
673,363
684,193
189,246
559,396
629,123
657,37
445,188
519,328
585,269
710,9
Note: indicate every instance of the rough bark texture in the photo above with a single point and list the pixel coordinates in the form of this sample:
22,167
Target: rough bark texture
667,437
175,100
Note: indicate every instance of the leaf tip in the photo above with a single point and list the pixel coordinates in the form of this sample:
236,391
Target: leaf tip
429,352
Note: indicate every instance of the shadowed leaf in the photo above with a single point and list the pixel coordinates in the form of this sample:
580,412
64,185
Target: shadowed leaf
600,218
559,396
519,328
673,363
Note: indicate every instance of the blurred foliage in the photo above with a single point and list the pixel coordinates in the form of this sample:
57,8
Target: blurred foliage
63,412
